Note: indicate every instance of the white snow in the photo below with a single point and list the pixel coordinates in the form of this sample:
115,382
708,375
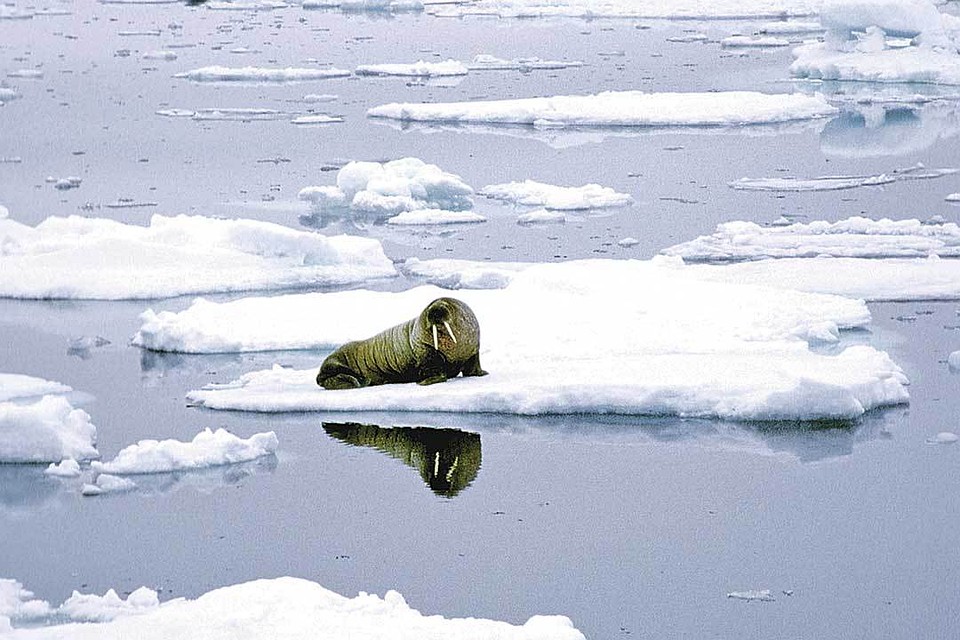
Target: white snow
67,468
207,449
865,42
99,258
548,196
285,609
420,217
836,183
259,5
747,358
753,595
628,242
316,119
487,62
225,114
106,483
944,437
260,74
389,188
419,68
759,42
463,274
855,237
642,8
542,216
38,423
620,108
18,605
81,607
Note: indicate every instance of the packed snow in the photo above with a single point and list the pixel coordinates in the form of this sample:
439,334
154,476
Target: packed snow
19,605
687,9
421,217
38,422
418,69
390,188
98,258
837,183
487,62
260,74
207,449
548,196
620,108
852,238
865,42
748,358
281,608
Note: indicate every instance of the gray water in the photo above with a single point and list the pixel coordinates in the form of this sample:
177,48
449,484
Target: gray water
633,527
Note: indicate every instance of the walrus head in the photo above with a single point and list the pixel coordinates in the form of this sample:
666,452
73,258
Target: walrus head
448,323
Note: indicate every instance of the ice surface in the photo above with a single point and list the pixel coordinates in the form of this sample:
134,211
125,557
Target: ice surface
207,449
837,183
81,607
364,5
644,8
944,437
541,216
953,197
316,119
260,74
759,42
463,274
538,194
67,468
106,483
420,68
384,189
98,258
282,609
226,114
787,27
434,216
747,358
855,237
39,424
752,595
486,62
620,108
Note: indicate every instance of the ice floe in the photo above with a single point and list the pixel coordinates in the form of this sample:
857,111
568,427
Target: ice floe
451,273
883,41
953,197
365,5
317,118
421,217
7,94
753,595
620,108
281,608
207,449
855,237
226,114
788,27
66,468
487,62
260,74
643,8
97,258
756,42
836,183
258,5
548,196
107,483
748,358
953,361
419,69
389,188
944,437
38,422
541,216
163,54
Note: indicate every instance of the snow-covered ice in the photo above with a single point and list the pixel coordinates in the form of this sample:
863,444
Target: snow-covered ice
98,258
7,94
855,237
451,273
953,197
420,217
67,468
756,42
487,62
225,114
108,483
207,449
542,216
281,609
19,605
38,422
548,196
748,358
389,188
953,361
687,9
620,108
365,5
837,183
788,27
752,595
318,118
418,69
260,74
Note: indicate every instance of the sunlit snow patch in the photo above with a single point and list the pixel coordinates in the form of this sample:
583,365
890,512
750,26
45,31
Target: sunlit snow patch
280,609
620,108
418,69
97,258
548,196
38,423
260,74
681,347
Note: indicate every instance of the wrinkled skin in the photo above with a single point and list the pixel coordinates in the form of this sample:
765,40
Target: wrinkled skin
420,350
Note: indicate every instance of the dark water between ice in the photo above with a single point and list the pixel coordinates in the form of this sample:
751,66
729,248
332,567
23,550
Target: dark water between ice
632,527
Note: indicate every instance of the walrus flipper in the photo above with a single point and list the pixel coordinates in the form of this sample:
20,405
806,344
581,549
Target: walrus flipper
472,366
434,379
339,381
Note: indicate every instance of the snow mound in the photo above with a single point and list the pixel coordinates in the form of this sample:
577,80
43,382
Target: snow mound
207,449
620,108
486,62
389,188
859,46
434,216
98,258
288,608
548,196
39,424
852,238
747,358
260,74
418,69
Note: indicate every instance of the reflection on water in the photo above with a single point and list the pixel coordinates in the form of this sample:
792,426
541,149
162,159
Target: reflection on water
25,488
203,480
448,459
882,130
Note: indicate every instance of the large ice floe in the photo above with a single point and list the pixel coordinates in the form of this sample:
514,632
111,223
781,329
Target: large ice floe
883,41
677,346
260,74
38,422
416,69
620,108
389,188
548,196
98,258
280,609
642,8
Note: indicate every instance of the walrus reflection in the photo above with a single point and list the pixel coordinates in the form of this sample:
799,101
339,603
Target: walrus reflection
448,459
441,343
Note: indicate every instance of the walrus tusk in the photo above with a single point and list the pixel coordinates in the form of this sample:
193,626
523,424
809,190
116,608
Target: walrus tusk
450,331
435,344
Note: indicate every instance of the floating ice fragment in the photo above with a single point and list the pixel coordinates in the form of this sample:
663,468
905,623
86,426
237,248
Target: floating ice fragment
7,94
763,595
944,437
260,74
317,119
66,468
420,217
26,74
486,62
953,197
420,68
65,184
541,216
533,193
164,54
756,42
313,98
628,242
106,483
953,361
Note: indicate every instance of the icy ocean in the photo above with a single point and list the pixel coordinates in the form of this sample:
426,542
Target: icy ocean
714,254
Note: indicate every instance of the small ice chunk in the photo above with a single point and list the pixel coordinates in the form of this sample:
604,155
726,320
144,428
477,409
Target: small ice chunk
67,468
628,242
417,69
259,74
944,437
107,483
762,595
548,196
953,197
317,119
26,74
314,98
435,216
164,54
758,42
953,361
541,216
70,182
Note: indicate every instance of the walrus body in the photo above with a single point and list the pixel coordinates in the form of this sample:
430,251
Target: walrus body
440,343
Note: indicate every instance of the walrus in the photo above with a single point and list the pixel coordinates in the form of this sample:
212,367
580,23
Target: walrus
440,343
